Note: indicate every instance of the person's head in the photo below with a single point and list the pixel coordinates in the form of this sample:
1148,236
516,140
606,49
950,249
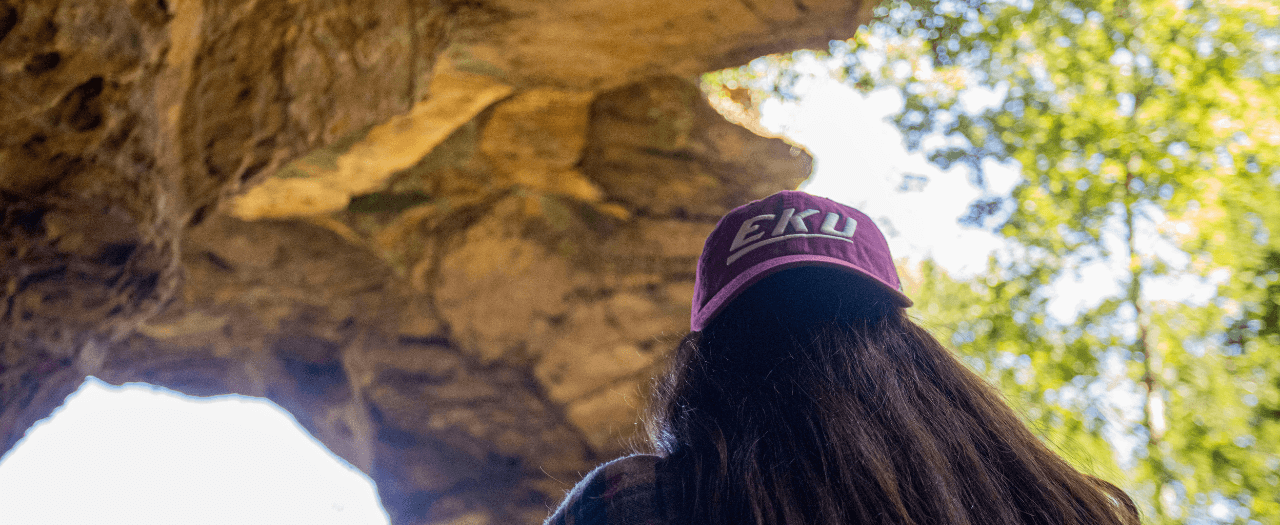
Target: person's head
805,394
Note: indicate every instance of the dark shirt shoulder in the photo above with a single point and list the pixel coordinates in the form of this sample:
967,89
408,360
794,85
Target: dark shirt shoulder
621,492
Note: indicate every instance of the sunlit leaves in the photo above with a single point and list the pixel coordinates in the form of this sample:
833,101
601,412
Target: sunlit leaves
1148,137
1147,132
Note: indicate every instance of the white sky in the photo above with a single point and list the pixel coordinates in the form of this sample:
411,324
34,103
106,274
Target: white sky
141,455
860,161
146,456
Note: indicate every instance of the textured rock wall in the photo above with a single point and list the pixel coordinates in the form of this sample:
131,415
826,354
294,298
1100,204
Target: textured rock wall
122,123
454,239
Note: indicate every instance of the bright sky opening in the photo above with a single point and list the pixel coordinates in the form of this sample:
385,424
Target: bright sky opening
142,455
860,160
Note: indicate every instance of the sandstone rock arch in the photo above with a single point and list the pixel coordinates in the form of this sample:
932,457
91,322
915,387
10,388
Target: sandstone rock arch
453,238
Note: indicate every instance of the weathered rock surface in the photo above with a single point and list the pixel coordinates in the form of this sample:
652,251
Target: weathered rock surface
454,239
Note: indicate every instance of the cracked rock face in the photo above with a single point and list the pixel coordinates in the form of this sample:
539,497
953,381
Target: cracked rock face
454,239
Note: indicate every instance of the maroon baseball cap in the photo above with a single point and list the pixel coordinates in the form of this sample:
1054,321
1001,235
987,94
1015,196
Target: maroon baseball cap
786,230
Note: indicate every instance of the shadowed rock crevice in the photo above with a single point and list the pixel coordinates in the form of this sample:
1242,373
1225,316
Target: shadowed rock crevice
453,239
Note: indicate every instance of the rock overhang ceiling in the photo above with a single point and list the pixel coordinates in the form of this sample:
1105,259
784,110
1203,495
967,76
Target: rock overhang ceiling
454,239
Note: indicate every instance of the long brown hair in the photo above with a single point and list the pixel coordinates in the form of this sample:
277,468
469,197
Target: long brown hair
811,400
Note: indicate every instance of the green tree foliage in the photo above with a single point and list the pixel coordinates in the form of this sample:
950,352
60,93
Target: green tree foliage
998,326
1147,133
